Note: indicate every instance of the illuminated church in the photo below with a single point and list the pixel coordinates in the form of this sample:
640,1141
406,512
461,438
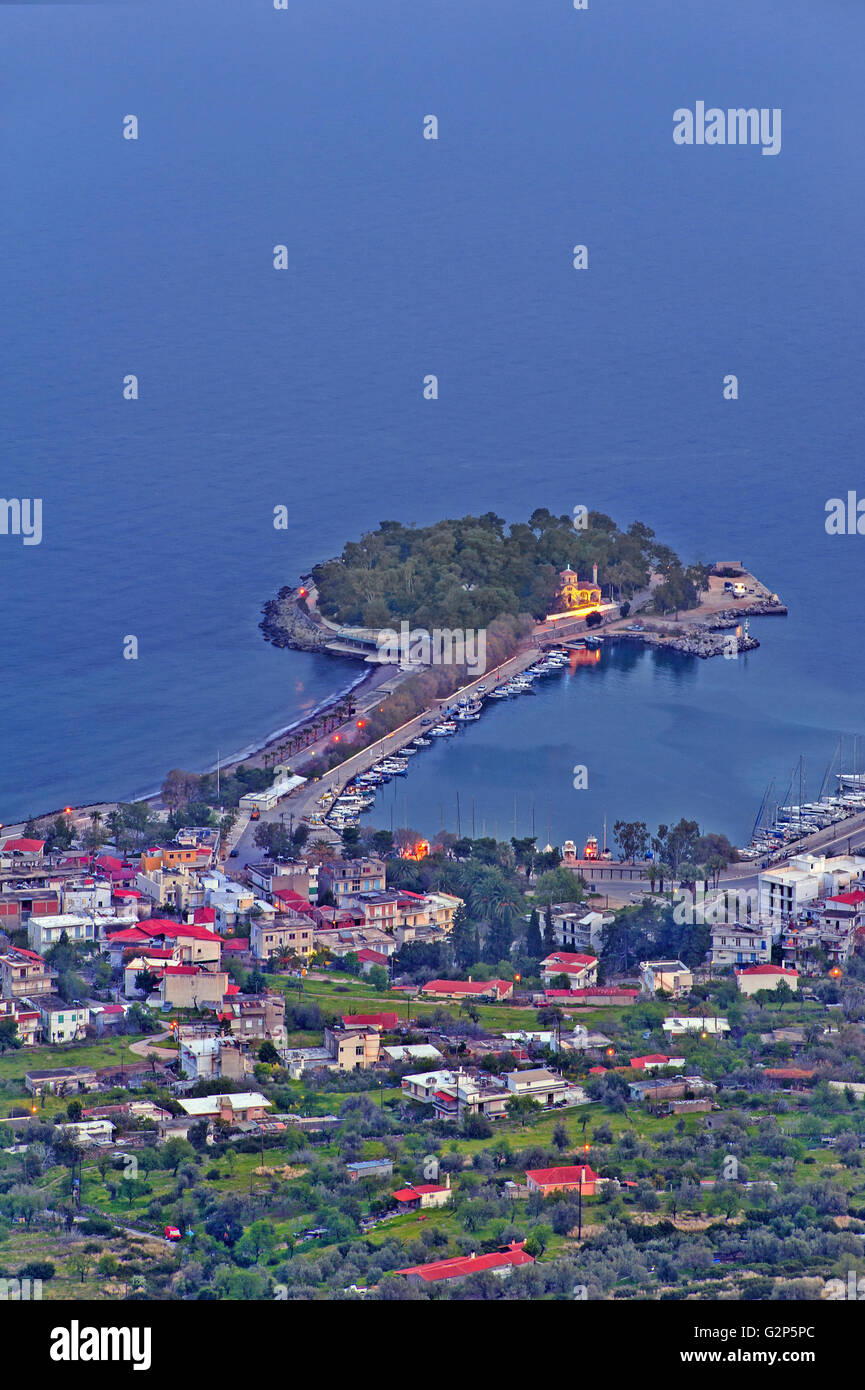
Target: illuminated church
578,593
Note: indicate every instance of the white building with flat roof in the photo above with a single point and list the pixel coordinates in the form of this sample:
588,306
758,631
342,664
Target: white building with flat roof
48,930
785,890
271,796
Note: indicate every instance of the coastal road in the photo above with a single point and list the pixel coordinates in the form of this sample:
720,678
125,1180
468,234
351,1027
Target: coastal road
305,800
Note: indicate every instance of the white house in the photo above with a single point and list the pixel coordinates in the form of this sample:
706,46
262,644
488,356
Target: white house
581,970
46,931
784,891
665,977
61,1022
413,1052
230,900
737,945
422,1086
757,977
91,896
86,1132
700,1023
199,1056
577,930
544,1086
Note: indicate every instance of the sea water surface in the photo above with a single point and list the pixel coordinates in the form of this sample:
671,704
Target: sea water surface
303,127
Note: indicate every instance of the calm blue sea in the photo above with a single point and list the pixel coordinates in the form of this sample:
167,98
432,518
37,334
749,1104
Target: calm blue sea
407,257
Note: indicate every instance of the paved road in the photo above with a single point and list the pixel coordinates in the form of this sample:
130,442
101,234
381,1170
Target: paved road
147,1047
305,800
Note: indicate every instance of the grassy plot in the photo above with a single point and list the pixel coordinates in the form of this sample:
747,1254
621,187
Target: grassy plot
109,1052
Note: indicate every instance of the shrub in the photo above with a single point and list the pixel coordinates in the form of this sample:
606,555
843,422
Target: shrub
37,1269
97,1226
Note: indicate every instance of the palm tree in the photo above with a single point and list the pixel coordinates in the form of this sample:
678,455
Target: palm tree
117,826
664,872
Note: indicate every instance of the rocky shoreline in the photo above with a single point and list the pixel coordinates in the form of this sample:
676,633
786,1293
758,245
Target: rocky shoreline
707,638
284,624
732,617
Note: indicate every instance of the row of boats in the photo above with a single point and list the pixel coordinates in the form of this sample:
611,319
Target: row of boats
796,822
343,809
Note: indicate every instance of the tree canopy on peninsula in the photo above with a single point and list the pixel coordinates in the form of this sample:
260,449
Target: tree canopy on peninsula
470,570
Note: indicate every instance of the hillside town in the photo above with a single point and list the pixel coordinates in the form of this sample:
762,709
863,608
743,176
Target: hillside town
370,1075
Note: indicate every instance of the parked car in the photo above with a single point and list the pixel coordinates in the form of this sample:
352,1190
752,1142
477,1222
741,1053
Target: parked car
234,853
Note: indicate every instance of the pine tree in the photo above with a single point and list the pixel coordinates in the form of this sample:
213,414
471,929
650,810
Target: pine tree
499,941
534,940
464,940
549,934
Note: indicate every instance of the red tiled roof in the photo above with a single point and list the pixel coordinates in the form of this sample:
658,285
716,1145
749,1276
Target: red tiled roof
204,914
412,1194
24,846
852,899
133,936
194,932
462,1265
376,957
658,1057
466,986
766,970
236,943
28,955
568,959
547,1177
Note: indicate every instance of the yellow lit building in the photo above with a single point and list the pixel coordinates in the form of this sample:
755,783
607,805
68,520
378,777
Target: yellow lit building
578,593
